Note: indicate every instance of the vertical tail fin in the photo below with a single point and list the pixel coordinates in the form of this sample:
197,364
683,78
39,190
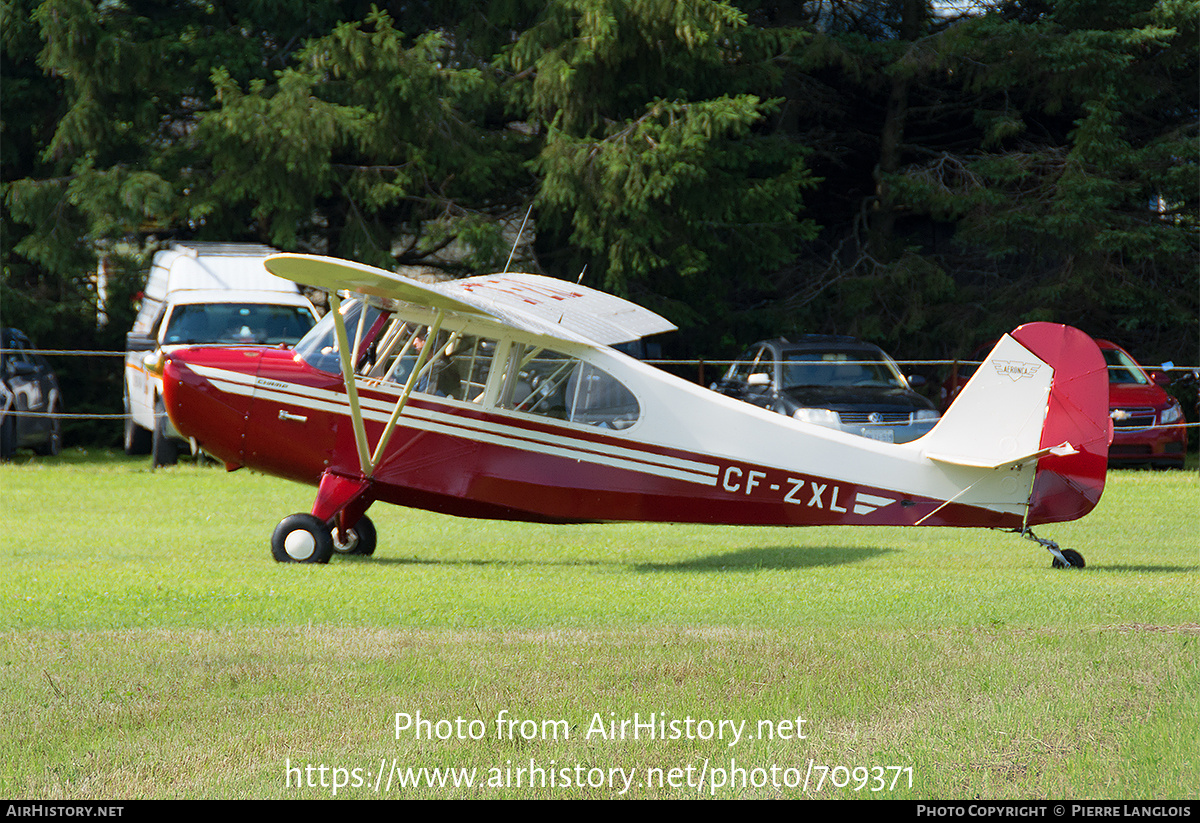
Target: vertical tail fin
1041,395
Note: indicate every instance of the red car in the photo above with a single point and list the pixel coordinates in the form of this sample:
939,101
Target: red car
1147,422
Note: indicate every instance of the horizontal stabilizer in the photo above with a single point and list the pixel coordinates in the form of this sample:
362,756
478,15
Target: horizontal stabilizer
958,460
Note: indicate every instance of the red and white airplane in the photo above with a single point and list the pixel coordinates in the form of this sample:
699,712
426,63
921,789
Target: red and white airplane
500,397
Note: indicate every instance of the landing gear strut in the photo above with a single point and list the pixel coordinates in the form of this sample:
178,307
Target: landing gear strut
1063,558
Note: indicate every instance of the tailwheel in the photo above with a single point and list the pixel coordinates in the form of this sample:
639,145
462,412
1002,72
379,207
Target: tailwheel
359,539
302,538
1070,559
1063,558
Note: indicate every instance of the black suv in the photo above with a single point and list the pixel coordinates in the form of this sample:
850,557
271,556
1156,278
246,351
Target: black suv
30,401
833,381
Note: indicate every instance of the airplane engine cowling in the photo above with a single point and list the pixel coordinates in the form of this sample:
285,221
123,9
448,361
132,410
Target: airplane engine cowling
209,401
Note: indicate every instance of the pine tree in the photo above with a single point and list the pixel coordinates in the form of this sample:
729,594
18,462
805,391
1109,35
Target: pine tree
1030,160
661,165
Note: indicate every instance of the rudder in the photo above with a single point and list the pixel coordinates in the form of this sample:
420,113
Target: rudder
1069,486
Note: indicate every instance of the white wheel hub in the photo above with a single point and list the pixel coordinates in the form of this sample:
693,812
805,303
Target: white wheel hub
350,544
299,545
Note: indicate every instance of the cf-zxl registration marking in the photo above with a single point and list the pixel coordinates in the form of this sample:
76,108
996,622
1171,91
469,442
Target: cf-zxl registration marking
801,491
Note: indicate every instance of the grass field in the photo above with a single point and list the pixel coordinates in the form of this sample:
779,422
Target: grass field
150,647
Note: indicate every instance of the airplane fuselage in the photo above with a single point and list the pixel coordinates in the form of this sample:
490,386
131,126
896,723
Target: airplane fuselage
652,447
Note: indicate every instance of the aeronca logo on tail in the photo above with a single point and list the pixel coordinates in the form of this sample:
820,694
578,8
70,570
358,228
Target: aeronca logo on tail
1014,370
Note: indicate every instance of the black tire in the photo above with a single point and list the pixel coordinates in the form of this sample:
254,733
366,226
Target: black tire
137,440
1073,557
301,538
163,450
361,538
53,445
8,438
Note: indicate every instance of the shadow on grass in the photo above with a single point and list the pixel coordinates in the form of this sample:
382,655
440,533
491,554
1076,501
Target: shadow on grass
745,560
773,557
1143,569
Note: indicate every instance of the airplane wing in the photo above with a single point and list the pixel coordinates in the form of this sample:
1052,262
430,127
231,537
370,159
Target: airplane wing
534,303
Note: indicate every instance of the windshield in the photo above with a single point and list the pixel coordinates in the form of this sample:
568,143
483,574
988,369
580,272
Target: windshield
319,347
238,323
839,368
1122,369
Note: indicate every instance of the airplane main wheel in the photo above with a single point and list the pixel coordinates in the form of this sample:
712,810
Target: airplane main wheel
302,538
1071,556
360,538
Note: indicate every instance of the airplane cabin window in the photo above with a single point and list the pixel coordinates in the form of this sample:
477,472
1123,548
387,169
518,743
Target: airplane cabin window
472,358
537,381
457,366
552,384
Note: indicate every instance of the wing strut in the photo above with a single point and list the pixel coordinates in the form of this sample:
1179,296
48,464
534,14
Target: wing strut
367,461
430,339
343,339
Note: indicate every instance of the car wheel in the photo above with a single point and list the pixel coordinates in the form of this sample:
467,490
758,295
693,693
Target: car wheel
301,538
53,445
8,438
163,450
137,439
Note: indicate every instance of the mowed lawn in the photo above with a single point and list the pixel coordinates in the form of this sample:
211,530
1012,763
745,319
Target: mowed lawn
150,647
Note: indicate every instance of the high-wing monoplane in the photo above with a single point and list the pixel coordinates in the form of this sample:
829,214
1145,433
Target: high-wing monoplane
501,396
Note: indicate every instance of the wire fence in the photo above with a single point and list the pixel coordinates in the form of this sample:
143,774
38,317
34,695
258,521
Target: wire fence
79,416
699,364
651,361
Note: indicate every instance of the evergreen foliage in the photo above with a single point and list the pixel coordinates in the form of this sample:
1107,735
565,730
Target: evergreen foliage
919,177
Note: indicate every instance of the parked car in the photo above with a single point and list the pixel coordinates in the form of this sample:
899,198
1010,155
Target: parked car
30,400
1144,415
201,293
833,381
1147,422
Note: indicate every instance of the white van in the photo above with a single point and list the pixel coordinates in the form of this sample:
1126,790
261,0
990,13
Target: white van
201,293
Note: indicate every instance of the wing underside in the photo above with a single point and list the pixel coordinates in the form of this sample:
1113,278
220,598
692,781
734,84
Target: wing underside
529,302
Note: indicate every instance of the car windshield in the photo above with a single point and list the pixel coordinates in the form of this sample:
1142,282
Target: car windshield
239,323
839,368
1122,369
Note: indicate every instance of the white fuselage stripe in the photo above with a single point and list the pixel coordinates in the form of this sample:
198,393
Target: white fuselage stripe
454,425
